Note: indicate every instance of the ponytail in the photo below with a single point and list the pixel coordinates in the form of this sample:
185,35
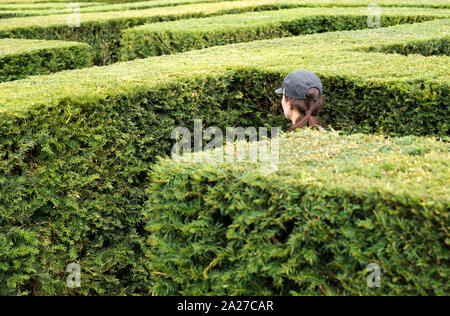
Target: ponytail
310,107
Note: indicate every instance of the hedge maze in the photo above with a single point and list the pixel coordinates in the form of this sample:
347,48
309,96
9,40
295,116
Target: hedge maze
85,175
22,58
172,37
102,30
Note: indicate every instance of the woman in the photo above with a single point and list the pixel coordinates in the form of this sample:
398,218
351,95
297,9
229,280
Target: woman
302,99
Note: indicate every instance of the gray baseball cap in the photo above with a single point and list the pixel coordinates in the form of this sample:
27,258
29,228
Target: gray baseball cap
298,82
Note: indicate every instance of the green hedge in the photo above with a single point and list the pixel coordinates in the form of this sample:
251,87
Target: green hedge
76,147
21,10
22,58
387,3
328,3
356,81
89,8
179,36
29,5
102,30
32,9
336,205
433,47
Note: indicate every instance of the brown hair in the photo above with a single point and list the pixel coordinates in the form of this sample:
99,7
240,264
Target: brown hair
308,109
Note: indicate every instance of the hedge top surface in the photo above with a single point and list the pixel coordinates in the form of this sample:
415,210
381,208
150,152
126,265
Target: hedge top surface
34,1
206,8
59,8
41,6
327,54
61,19
57,1
435,3
230,21
22,46
408,167
97,7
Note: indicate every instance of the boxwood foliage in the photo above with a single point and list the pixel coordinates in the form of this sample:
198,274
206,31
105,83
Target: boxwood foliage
179,36
102,30
39,9
42,4
22,11
76,147
22,58
418,3
31,5
336,205
432,47
72,178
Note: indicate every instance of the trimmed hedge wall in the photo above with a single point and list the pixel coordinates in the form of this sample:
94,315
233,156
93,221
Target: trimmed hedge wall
180,36
72,177
102,30
31,5
432,47
21,10
89,8
336,205
332,3
356,82
22,58
419,3
75,155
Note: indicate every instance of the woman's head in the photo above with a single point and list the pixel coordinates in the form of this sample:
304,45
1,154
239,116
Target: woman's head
302,99
304,112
